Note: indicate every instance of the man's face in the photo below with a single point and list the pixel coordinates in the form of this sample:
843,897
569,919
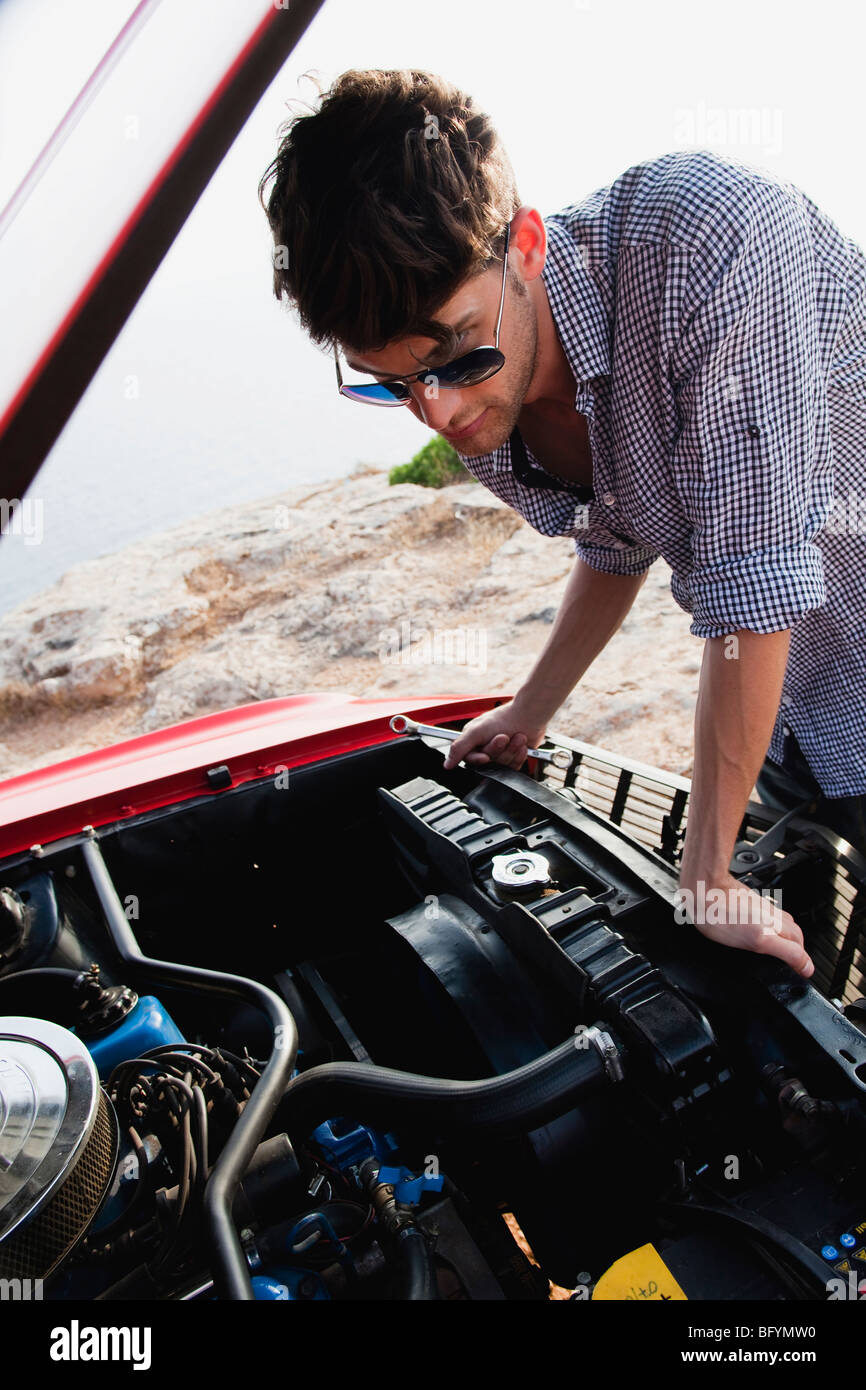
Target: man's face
472,311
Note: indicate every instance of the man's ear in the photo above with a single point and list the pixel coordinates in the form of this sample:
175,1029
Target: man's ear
529,240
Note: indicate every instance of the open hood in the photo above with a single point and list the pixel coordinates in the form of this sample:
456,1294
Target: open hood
70,280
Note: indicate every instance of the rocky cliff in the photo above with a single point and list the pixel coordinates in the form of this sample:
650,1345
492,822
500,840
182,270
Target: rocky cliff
349,585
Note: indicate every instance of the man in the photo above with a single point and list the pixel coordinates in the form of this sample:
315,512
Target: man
681,370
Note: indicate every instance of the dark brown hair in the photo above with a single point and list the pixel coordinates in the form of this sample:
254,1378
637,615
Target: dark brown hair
384,200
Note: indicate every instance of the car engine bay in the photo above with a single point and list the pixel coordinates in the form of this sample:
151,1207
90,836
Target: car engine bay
367,1029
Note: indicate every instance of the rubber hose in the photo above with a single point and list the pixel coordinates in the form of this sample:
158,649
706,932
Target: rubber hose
519,1100
50,986
229,1265
416,1262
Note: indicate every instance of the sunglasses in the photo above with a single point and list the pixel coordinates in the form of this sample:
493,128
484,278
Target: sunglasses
468,370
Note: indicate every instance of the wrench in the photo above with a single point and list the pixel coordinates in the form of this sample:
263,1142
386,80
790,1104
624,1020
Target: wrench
560,757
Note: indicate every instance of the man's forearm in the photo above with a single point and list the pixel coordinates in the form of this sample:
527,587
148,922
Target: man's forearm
592,609
738,700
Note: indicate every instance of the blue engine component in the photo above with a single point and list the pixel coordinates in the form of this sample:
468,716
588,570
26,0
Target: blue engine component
147,1025
315,1229
294,1285
123,1185
407,1188
345,1143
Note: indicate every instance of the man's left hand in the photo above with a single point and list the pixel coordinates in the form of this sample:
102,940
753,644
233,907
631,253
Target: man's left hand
740,917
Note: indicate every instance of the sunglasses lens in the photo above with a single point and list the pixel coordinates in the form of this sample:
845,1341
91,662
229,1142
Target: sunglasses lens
468,370
474,367
376,394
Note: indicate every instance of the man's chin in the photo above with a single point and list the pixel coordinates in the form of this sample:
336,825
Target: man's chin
490,436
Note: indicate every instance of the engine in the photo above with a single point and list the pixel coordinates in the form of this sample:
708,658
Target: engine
471,1055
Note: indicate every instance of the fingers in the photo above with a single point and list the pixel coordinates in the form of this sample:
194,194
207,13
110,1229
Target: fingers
773,933
508,750
793,954
779,935
785,940
462,747
512,752
763,941
788,949
470,748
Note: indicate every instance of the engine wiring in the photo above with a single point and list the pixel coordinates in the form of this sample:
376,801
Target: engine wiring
187,1096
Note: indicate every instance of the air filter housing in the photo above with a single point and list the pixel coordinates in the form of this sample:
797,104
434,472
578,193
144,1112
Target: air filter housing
58,1145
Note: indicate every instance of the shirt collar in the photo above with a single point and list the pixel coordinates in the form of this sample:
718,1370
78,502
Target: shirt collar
575,302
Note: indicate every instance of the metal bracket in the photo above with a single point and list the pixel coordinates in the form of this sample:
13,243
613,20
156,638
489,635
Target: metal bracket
751,857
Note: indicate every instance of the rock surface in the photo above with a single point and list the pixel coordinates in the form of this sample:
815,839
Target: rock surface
348,585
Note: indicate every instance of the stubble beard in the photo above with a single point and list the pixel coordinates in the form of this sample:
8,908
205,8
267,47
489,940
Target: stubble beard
521,362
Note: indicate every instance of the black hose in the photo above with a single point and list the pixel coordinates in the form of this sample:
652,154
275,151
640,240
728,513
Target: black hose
519,1100
50,986
416,1262
229,1266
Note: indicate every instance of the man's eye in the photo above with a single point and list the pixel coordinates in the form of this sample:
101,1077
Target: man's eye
455,354
381,376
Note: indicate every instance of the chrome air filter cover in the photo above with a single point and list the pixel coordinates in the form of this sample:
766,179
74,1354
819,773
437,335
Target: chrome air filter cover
58,1144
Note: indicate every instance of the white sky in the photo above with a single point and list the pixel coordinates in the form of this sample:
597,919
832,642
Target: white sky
579,89
235,402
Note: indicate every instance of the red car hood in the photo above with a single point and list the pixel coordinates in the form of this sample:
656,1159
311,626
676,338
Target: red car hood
171,764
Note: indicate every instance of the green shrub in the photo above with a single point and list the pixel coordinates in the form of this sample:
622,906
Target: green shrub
436,465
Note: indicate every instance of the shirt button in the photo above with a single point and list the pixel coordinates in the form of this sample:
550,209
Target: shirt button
753,432
608,499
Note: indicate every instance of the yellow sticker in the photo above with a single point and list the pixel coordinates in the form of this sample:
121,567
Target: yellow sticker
639,1277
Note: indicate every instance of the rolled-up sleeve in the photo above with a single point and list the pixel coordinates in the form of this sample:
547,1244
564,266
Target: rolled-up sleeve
606,552
752,462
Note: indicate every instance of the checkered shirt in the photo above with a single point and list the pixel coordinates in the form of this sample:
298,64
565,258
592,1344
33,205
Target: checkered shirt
715,322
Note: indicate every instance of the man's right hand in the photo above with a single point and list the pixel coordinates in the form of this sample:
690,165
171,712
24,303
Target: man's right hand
592,609
502,735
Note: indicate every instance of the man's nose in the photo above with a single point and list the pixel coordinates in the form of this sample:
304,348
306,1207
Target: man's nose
436,407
